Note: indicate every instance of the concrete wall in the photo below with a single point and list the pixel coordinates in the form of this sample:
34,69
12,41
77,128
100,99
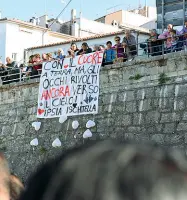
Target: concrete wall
151,108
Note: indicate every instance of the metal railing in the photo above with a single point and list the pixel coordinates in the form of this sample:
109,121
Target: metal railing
146,49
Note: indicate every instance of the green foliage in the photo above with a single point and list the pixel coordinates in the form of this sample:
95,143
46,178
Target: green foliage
43,150
136,77
163,79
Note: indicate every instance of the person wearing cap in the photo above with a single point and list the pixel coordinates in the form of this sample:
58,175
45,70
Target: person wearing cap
85,49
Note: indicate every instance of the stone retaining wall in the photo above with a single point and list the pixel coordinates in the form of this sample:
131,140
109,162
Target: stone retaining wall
145,100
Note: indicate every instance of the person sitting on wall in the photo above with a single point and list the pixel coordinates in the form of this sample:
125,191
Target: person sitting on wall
109,54
85,49
129,43
118,47
60,54
72,52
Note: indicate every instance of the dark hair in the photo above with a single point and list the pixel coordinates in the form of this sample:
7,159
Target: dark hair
16,187
109,42
85,44
117,37
73,44
110,169
173,31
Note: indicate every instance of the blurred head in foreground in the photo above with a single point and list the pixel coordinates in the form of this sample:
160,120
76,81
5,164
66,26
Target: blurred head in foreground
111,170
10,185
16,187
4,179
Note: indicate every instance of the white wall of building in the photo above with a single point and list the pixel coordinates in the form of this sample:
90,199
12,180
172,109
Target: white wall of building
150,25
91,43
133,19
90,27
19,38
2,41
152,13
15,38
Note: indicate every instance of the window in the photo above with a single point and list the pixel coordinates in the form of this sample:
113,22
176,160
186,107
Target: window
14,56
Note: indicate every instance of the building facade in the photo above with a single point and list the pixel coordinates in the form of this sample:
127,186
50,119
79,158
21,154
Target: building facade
78,26
132,18
171,12
17,35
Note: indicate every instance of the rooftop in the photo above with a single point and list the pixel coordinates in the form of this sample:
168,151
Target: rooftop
87,38
30,25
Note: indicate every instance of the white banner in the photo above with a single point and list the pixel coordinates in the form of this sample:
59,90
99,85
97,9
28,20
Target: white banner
70,87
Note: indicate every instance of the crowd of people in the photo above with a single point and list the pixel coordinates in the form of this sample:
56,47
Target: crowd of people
124,49
105,170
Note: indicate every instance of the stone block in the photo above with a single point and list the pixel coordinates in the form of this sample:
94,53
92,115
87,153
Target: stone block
7,130
179,104
131,107
165,91
170,117
126,96
152,117
182,90
134,129
171,139
109,98
123,120
138,118
145,93
145,105
170,128
158,138
182,126
184,118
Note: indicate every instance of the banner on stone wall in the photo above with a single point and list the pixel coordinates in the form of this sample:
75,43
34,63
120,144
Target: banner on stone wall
70,87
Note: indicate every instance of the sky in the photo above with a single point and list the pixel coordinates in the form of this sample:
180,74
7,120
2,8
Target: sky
24,9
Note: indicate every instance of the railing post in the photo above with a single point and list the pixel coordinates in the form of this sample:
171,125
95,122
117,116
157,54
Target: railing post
162,47
137,36
20,75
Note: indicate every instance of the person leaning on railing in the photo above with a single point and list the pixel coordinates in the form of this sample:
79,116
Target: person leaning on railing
72,52
184,33
13,72
129,43
118,47
85,49
154,46
109,54
3,71
168,37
